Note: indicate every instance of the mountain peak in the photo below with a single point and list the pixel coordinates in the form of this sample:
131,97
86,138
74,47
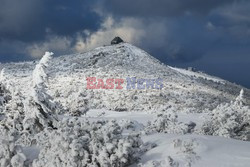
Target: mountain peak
67,77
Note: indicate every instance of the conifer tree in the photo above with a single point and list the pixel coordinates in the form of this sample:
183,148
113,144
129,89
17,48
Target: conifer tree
40,107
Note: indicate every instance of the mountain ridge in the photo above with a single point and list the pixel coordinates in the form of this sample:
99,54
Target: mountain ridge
192,91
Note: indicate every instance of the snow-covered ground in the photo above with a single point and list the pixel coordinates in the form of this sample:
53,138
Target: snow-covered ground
198,75
205,151
141,117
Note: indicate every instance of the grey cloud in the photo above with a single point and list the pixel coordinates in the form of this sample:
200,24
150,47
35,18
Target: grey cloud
237,12
32,20
156,8
28,27
17,18
233,20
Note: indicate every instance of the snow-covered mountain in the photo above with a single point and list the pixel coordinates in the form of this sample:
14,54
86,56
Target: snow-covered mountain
186,90
48,117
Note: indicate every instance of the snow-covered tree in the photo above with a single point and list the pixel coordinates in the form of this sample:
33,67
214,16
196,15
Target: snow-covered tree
5,94
40,107
81,143
12,108
79,104
14,112
11,154
229,120
167,122
240,99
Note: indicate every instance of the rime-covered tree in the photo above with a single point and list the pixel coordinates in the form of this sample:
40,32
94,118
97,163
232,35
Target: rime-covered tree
11,154
14,112
84,143
167,122
11,107
40,107
5,94
240,99
230,120
79,105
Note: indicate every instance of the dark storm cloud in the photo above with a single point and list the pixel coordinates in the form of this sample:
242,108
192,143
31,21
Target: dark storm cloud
16,17
204,34
194,26
12,51
32,20
156,8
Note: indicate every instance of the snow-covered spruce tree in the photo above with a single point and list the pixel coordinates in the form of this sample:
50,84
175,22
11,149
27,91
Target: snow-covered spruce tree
167,121
11,154
81,143
240,100
40,107
230,120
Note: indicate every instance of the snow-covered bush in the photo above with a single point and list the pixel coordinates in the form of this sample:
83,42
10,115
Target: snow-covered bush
14,118
79,105
39,106
11,104
230,120
11,154
5,94
81,143
4,98
167,122
130,124
14,112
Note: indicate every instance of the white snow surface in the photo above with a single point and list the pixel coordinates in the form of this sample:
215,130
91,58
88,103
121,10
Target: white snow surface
207,151
199,75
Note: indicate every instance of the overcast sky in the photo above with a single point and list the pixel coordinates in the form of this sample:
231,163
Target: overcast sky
211,35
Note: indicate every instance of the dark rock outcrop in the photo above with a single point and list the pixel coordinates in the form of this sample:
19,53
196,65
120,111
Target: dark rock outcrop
116,40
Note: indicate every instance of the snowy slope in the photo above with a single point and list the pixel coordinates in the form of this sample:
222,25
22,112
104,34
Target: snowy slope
207,151
190,149
199,75
190,91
